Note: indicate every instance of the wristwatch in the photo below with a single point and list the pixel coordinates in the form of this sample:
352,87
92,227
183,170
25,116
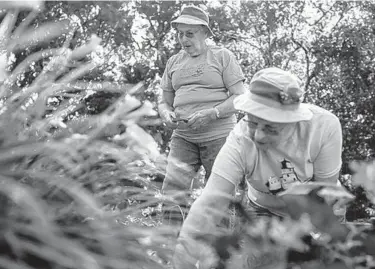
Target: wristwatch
217,112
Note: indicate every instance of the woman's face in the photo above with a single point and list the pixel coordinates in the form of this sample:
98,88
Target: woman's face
192,38
267,134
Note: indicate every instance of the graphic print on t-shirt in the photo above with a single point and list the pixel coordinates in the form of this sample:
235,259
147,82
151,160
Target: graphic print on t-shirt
288,176
194,71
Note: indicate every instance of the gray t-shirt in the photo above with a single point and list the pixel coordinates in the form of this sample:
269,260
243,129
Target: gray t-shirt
313,150
199,83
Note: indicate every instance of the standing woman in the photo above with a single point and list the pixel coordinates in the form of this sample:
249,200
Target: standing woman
198,87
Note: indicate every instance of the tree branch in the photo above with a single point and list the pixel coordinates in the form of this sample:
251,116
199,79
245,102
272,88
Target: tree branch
341,17
309,76
325,12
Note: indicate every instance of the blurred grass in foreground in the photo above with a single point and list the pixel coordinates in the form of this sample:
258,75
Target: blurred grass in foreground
74,191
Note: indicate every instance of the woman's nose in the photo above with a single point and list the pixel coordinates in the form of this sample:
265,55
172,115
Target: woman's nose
259,135
183,38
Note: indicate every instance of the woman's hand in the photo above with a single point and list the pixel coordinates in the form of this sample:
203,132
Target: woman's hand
187,255
181,258
201,118
201,222
167,117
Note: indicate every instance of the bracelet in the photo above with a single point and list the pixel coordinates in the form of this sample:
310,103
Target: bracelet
217,112
163,112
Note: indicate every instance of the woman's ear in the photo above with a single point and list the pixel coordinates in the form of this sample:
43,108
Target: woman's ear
206,31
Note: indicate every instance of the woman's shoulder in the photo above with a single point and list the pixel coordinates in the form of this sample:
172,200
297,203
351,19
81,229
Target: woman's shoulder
221,54
240,132
175,58
219,50
321,114
239,140
322,120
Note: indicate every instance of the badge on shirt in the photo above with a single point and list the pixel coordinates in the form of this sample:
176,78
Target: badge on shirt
288,176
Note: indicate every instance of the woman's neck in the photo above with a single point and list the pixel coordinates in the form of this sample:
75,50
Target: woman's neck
202,51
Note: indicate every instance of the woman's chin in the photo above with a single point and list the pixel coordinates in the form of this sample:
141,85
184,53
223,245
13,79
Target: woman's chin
262,146
191,52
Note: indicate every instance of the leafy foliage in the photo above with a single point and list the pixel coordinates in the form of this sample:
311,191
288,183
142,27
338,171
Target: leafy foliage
81,141
64,178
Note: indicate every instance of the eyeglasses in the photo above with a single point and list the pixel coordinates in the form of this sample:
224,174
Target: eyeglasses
188,34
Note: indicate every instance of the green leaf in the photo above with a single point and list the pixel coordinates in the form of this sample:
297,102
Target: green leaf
44,33
325,190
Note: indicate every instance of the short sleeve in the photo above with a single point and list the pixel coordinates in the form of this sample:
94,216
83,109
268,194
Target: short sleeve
328,161
232,72
166,79
232,161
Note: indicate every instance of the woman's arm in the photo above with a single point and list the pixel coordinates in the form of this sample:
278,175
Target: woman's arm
328,162
231,164
204,215
226,108
166,101
215,196
165,108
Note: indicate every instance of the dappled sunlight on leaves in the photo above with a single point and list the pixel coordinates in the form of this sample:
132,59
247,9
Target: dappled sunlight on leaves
80,156
74,195
364,175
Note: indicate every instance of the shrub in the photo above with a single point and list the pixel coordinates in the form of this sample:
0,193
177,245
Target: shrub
73,189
